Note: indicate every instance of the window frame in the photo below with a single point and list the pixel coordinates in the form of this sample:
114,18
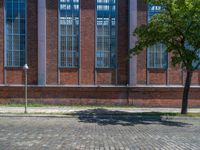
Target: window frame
164,65
164,55
67,66
5,38
112,64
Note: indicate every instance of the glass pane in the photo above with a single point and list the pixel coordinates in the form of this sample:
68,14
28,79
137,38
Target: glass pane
9,6
22,26
16,26
69,33
22,42
9,58
9,42
157,55
106,33
15,32
63,43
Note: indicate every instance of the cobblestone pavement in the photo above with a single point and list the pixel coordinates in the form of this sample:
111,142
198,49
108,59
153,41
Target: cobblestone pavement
99,133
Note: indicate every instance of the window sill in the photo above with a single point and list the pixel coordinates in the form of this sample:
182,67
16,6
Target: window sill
155,70
68,69
13,68
105,69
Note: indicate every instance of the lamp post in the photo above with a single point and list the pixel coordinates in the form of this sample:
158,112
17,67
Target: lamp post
25,68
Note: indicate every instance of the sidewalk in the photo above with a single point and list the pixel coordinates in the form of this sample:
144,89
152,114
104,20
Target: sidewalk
73,110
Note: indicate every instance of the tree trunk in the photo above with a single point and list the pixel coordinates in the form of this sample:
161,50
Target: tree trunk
186,92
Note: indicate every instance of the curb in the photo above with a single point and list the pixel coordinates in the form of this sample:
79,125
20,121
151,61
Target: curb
111,116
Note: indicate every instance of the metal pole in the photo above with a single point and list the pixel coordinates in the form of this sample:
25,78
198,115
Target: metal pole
25,92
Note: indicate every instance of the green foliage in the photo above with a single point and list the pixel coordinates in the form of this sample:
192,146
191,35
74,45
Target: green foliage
176,26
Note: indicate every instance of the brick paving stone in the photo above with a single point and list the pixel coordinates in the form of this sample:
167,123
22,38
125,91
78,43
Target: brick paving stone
98,133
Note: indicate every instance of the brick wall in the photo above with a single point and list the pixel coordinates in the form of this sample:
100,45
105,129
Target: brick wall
162,97
123,42
16,75
196,77
52,41
106,76
69,76
32,41
138,96
157,76
141,58
175,74
146,96
86,75
171,76
87,42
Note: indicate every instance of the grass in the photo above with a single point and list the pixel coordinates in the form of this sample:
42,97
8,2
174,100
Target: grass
57,105
166,114
146,114
29,105
103,107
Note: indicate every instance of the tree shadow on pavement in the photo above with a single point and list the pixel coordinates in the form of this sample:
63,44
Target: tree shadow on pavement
110,117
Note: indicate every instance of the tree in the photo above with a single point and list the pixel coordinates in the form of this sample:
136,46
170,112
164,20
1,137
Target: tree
177,26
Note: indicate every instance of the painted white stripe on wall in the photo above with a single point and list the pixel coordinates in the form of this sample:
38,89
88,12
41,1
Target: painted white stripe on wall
132,40
41,42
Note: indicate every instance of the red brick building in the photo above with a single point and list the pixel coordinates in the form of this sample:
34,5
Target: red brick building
77,52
